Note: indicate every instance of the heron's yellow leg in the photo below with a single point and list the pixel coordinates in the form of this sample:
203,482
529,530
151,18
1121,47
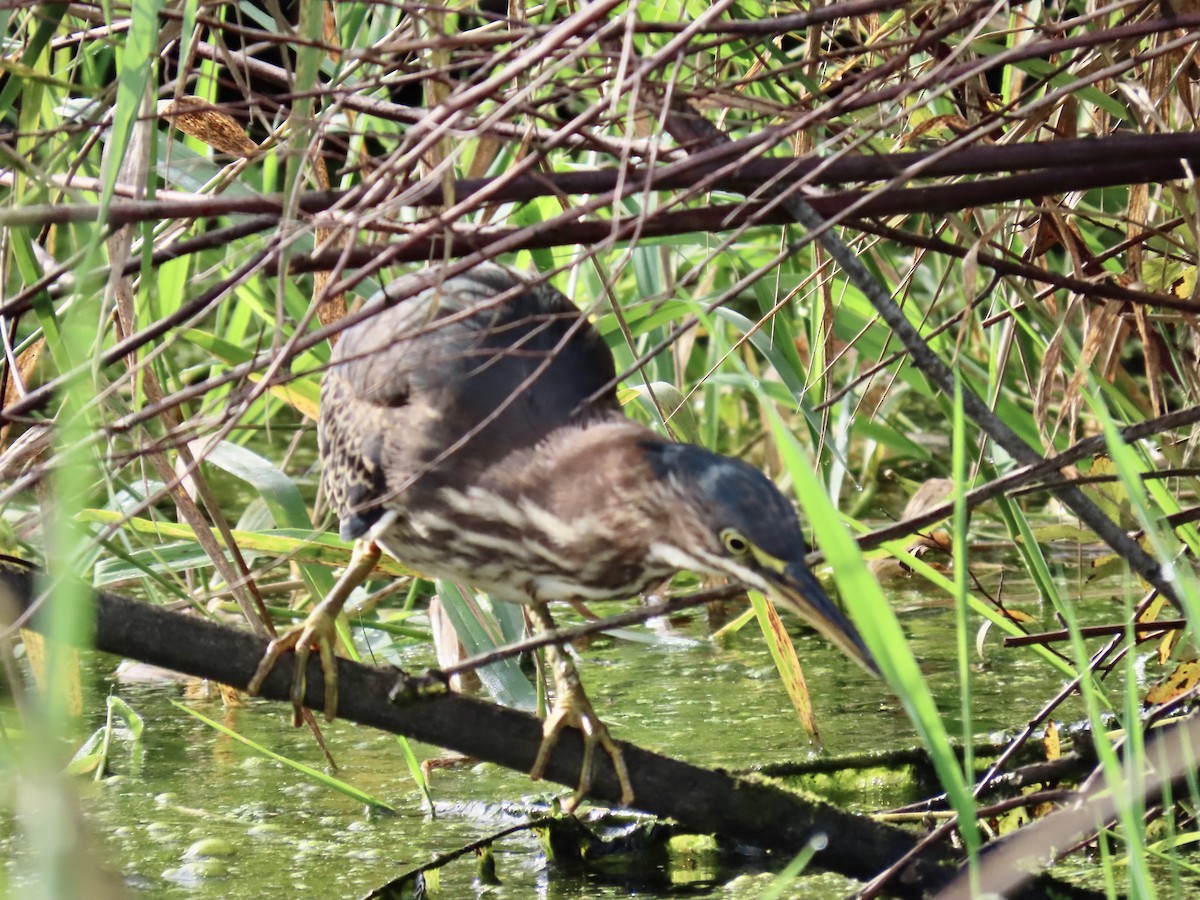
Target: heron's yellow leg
319,630
573,708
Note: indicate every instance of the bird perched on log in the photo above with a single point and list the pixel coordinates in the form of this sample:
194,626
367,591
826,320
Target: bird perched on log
473,432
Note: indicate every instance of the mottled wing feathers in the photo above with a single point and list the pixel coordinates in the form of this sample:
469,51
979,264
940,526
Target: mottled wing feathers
436,388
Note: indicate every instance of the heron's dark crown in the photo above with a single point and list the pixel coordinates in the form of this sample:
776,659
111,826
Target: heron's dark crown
729,493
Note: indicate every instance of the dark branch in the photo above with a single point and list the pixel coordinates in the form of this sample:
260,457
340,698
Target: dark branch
1084,162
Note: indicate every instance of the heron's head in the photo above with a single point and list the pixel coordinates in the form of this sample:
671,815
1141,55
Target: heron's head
739,525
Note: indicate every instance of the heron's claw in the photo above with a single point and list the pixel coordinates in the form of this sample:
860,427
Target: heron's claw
319,630
574,709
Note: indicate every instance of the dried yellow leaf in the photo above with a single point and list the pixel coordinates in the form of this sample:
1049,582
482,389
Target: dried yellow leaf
1185,677
1051,742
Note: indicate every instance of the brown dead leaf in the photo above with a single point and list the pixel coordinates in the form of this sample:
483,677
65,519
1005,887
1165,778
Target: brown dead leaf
931,492
331,308
331,33
935,540
1044,237
1103,337
888,568
16,382
1050,379
231,697
200,119
1137,212
1152,349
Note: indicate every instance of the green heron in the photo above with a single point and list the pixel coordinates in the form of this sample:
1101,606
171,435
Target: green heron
473,432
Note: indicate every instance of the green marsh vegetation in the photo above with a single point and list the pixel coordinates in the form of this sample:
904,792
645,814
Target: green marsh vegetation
891,253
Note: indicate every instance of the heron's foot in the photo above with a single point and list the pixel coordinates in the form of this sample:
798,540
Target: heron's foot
572,708
320,631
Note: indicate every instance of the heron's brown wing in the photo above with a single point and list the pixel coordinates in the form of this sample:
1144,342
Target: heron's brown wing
433,390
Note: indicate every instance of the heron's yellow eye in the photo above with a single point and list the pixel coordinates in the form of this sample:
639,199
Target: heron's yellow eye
734,542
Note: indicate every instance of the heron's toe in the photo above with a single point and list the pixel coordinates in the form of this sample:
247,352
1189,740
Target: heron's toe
318,631
572,708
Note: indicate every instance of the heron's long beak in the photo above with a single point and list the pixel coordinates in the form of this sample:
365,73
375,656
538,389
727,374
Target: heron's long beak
796,589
